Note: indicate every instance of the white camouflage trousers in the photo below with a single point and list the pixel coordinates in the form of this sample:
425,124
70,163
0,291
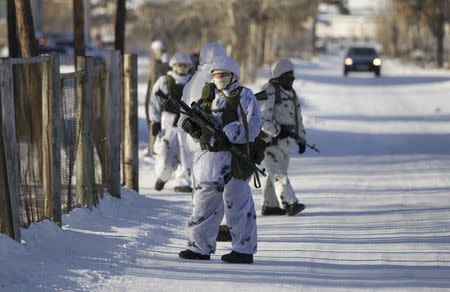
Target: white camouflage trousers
215,196
277,189
171,157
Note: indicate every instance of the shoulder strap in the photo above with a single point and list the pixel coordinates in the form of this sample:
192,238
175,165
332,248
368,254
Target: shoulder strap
256,180
296,111
277,90
170,81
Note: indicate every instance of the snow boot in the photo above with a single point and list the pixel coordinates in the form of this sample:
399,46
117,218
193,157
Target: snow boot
183,189
294,208
159,185
190,255
238,258
271,211
224,233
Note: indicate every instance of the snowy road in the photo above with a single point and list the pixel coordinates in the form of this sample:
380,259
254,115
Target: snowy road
377,197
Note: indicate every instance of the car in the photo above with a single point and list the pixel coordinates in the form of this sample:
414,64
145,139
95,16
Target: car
363,59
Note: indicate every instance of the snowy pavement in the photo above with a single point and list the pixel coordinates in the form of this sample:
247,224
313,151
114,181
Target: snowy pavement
377,197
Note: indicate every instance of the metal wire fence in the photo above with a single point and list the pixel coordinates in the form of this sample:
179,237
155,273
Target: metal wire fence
70,125
60,141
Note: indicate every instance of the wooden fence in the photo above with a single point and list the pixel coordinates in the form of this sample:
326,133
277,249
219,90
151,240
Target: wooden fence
101,98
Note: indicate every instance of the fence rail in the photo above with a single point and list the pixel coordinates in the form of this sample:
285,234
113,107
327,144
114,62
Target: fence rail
48,140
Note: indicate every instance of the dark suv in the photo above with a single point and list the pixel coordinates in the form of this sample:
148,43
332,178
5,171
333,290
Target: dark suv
362,59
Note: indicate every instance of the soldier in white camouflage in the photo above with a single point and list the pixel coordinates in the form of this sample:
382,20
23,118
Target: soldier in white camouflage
281,115
221,180
159,66
164,117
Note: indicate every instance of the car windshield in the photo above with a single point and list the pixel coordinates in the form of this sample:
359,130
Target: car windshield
362,51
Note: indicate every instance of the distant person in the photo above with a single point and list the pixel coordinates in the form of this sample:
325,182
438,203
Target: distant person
281,114
164,118
159,66
98,42
195,57
219,185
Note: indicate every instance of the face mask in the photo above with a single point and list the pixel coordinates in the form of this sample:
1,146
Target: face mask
181,69
286,80
222,82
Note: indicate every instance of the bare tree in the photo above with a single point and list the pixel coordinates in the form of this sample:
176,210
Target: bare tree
418,26
249,21
435,18
255,30
25,29
13,42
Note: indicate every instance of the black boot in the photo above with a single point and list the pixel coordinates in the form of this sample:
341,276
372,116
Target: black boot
224,233
294,208
159,185
183,189
270,211
190,255
238,258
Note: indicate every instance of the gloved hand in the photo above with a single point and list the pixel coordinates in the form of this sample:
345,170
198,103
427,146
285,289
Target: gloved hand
192,128
233,102
284,133
156,128
208,92
214,144
301,148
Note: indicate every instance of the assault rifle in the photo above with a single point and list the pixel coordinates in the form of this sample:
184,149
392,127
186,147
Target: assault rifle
198,116
300,140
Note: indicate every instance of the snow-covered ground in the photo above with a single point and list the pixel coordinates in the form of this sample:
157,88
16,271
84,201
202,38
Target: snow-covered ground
377,197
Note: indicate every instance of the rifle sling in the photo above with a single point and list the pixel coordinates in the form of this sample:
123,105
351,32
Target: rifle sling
256,180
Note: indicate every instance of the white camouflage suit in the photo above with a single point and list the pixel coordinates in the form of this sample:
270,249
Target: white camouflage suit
193,91
214,195
277,189
169,152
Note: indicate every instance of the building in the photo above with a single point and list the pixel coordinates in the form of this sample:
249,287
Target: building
334,29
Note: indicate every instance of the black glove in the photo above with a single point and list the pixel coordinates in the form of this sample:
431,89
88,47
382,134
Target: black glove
208,92
193,129
156,128
284,133
258,149
301,148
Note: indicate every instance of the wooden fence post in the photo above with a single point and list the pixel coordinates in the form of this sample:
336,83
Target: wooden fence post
130,139
85,148
112,115
51,134
9,162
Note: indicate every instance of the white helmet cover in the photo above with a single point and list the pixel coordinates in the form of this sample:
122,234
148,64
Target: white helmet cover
158,45
180,58
225,63
281,66
211,51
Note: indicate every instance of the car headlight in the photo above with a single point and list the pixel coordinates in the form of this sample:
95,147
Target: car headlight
376,62
348,61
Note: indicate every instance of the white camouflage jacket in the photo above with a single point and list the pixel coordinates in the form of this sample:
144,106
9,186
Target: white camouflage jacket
276,112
